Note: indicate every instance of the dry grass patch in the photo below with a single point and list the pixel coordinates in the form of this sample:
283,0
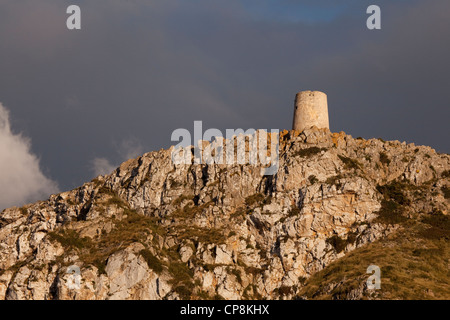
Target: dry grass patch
412,267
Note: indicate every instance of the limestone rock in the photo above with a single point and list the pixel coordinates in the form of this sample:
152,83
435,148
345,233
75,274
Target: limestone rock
156,230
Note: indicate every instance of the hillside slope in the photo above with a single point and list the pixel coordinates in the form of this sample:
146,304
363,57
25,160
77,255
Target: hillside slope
155,230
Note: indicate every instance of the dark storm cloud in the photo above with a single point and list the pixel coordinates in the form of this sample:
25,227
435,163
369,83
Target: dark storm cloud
395,85
137,70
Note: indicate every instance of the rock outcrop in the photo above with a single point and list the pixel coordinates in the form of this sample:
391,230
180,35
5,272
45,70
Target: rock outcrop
155,230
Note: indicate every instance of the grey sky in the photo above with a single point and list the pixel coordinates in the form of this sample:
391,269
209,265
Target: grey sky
140,69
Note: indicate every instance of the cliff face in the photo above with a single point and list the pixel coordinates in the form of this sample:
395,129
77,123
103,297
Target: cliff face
155,230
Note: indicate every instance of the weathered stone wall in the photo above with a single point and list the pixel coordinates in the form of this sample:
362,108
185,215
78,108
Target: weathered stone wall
311,109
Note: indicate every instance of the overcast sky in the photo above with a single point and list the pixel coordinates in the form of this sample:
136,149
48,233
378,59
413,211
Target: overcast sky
82,101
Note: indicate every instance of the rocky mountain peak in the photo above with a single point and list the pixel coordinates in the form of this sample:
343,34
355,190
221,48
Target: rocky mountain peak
153,229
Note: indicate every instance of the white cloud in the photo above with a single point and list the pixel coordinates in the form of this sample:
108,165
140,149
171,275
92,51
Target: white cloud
126,149
21,179
129,149
102,166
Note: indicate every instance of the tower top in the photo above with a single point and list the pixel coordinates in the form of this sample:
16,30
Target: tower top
311,109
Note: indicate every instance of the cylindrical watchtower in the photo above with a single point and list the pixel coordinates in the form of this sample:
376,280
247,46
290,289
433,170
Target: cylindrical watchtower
311,109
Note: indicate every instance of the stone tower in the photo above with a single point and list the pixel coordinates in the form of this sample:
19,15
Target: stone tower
311,109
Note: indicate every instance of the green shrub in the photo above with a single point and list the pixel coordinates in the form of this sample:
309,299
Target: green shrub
390,213
340,244
152,261
105,190
256,198
294,212
70,239
115,200
349,162
284,290
237,274
334,180
395,191
440,226
239,212
101,265
253,270
185,291
309,152
203,235
182,198
312,179
337,243
351,237
175,184
181,274
446,192
384,159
